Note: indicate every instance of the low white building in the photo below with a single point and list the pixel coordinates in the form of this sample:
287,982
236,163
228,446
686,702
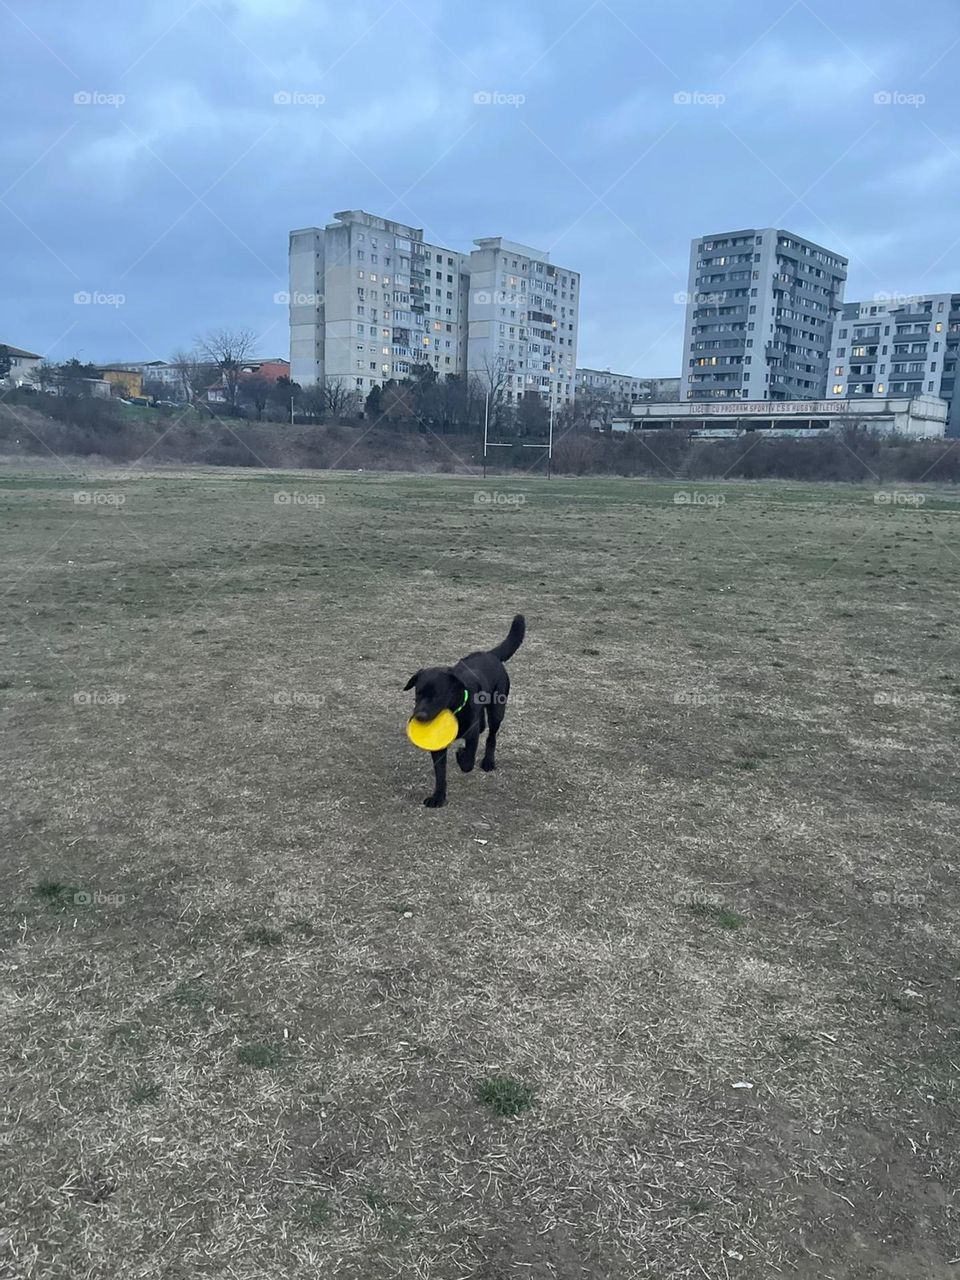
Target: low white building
918,417
22,364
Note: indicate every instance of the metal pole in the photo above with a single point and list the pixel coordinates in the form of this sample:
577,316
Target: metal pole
486,424
550,438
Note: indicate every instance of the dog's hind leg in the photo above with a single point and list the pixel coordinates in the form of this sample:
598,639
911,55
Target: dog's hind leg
468,752
495,714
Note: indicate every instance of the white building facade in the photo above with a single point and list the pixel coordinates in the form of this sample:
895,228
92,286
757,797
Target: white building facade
370,299
621,390
896,346
760,308
919,417
523,320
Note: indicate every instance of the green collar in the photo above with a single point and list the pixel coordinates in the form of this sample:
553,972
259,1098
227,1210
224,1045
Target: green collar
466,699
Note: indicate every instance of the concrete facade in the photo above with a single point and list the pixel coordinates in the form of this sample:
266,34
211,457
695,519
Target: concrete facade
760,309
918,417
898,346
523,321
619,391
22,364
370,299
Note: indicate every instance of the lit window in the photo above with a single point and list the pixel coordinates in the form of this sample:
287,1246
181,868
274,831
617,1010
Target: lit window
838,388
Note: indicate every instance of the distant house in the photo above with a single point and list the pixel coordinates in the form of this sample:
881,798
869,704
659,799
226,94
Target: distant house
159,373
268,370
124,380
22,364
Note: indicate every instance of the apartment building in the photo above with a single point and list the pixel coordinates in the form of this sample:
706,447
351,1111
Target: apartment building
620,391
523,318
370,299
760,305
898,346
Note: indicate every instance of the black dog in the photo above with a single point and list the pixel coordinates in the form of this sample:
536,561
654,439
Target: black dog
478,684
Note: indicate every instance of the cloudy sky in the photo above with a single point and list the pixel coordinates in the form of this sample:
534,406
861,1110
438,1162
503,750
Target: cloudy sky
156,155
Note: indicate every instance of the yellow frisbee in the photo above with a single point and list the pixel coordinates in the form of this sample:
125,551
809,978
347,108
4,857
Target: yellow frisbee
435,734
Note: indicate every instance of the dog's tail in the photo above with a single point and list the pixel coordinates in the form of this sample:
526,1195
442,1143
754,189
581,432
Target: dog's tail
507,648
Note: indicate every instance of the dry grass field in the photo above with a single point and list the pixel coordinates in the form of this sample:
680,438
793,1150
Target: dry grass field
671,994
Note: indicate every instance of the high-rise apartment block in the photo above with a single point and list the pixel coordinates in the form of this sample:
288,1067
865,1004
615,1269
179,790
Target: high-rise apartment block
896,346
370,299
760,310
523,317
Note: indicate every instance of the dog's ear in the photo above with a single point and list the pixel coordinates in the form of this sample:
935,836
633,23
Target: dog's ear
412,681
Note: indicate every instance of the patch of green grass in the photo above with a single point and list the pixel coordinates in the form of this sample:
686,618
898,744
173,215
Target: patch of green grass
696,1204
314,1212
720,914
142,1093
190,993
55,894
504,1095
264,936
261,1054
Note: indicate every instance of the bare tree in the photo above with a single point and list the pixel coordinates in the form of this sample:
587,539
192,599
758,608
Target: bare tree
193,374
45,375
493,380
338,399
229,350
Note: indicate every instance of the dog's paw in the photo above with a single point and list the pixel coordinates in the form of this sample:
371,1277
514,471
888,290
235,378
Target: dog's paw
435,802
464,761
488,766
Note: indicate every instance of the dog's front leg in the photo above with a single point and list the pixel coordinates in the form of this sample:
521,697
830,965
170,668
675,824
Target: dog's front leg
439,796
